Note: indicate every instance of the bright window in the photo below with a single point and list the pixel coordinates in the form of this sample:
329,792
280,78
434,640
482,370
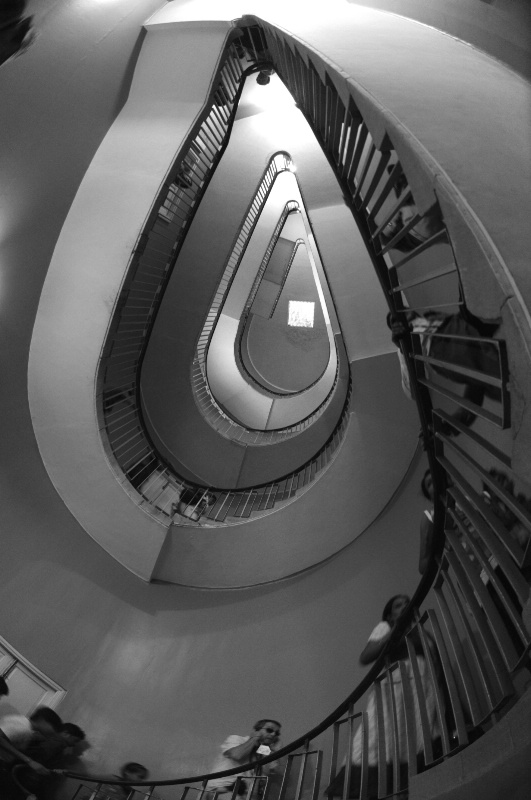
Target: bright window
300,314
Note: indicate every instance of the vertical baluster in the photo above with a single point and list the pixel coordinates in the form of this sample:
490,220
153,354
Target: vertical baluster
456,707
475,579
414,698
316,782
253,37
347,787
302,772
409,715
367,162
337,116
285,779
354,121
352,177
381,734
392,724
333,757
503,686
472,686
302,80
385,191
434,677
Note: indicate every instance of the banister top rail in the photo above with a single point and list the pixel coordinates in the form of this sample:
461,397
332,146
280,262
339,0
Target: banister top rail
301,741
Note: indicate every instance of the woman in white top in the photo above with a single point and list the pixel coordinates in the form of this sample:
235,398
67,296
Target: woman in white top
378,639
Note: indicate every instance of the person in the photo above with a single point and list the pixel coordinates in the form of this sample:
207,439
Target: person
393,611
194,502
132,773
4,688
48,748
72,735
237,750
183,178
17,734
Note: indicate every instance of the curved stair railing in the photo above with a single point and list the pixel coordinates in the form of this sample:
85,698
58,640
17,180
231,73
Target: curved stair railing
177,498
459,665
212,411
241,337
125,438
279,162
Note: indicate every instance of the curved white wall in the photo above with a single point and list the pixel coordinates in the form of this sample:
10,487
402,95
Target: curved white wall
84,279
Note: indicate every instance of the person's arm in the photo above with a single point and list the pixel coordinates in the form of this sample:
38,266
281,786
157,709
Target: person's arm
274,767
7,747
244,752
404,375
375,645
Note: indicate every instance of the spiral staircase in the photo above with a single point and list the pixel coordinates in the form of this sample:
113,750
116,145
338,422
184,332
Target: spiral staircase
100,368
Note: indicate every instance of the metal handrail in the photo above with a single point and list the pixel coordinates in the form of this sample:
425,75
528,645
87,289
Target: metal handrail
216,505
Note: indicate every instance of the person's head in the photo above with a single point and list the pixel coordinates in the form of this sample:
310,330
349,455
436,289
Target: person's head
426,485
45,720
134,772
394,608
269,729
4,688
72,734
